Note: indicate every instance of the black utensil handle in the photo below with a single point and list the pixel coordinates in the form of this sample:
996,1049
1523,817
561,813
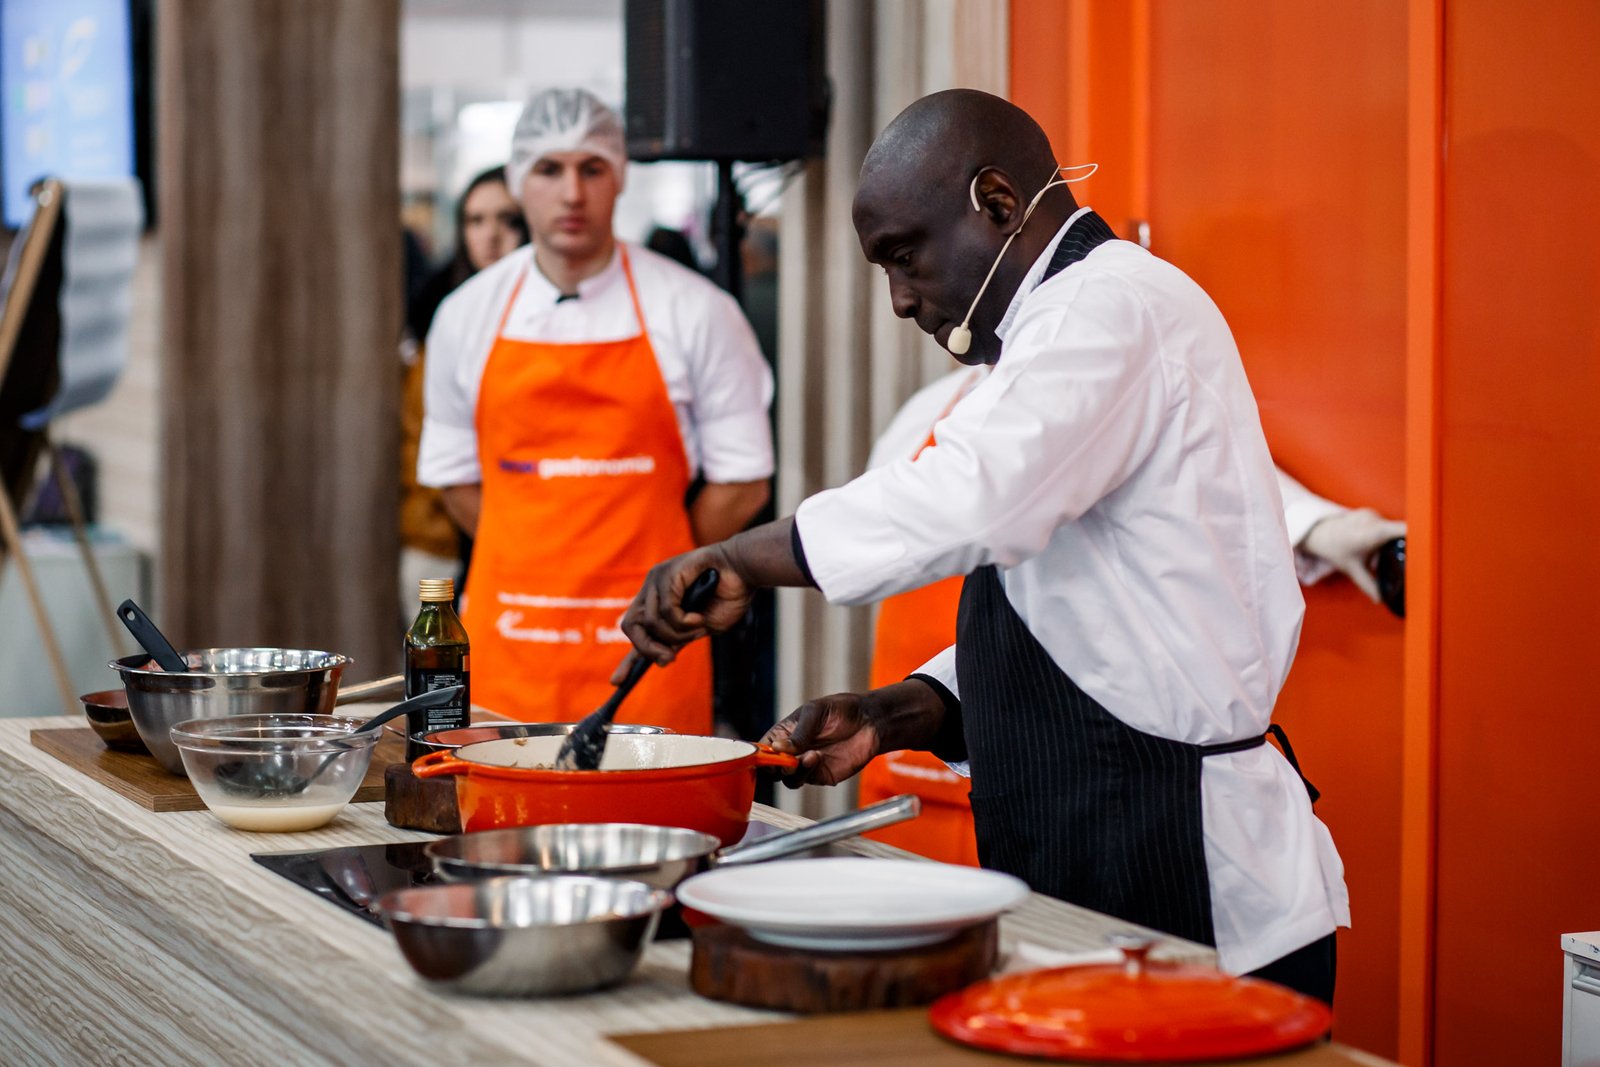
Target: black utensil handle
586,744
144,631
696,599
698,596
433,698
629,680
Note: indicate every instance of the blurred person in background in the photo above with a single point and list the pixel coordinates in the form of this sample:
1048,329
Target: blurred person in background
575,390
489,225
674,244
760,251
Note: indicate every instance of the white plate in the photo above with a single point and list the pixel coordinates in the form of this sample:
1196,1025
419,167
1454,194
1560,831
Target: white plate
852,903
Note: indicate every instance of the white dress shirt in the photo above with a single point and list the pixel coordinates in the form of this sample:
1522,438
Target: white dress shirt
718,382
1112,464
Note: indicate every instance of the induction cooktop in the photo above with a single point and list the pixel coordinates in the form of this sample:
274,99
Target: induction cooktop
353,877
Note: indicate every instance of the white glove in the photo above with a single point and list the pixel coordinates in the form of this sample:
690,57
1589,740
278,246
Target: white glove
1346,542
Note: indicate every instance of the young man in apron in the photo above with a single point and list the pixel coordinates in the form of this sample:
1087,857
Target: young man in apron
574,391
1130,608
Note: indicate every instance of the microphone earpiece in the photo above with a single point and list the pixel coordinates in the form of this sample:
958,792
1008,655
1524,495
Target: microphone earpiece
959,341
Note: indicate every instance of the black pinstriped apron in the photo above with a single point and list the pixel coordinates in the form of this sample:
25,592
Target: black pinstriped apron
1065,795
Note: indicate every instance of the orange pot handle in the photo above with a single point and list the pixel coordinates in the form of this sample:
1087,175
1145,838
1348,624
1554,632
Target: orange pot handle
767,756
438,765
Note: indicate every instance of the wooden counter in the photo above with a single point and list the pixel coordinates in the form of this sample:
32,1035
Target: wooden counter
141,937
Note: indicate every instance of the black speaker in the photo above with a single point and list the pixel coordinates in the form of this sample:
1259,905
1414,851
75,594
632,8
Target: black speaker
725,79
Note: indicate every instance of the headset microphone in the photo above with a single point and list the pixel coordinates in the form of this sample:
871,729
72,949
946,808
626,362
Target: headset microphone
961,336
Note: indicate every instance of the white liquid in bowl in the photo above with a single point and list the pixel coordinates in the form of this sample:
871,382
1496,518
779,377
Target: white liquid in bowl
262,819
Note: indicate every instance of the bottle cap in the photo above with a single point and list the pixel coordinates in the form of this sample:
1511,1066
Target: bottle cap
435,589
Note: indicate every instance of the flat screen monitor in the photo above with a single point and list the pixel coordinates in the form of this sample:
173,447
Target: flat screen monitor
66,95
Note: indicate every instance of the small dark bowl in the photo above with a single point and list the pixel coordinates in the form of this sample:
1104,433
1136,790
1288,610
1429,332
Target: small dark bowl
108,716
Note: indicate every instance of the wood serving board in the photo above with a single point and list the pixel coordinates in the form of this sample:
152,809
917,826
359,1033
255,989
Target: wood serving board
413,803
145,782
902,1038
728,964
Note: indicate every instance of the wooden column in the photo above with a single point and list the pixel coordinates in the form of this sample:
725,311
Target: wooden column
279,206
846,363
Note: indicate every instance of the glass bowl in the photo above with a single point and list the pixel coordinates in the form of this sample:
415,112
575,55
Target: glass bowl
275,773
226,681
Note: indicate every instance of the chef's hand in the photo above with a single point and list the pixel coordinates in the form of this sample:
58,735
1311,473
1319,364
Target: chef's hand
835,736
1348,539
831,737
657,624
759,558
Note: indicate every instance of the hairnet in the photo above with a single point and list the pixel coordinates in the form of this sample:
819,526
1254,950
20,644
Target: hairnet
564,120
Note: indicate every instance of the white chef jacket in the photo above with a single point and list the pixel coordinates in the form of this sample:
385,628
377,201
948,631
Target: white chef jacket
718,382
1112,465
908,431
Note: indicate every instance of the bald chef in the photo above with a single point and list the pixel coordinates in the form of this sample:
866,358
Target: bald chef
574,391
1130,609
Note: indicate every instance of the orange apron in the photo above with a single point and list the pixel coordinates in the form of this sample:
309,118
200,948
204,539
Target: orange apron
584,474
913,627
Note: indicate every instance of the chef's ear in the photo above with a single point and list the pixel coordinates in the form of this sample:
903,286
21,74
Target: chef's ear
993,193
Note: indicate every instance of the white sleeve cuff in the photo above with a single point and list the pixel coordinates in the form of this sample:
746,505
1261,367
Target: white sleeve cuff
736,448
447,455
1310,569
942,668
854,554
1302,509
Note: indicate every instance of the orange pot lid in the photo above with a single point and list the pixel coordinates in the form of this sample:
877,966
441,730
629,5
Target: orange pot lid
1139,1011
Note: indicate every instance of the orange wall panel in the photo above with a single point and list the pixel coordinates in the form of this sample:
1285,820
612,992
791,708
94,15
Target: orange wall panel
1269,159
1519,572
1079,68
1277,135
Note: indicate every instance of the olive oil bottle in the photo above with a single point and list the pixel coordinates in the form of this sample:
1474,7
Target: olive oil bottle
436,658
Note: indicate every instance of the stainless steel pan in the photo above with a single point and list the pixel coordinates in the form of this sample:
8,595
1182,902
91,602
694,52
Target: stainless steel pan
661,856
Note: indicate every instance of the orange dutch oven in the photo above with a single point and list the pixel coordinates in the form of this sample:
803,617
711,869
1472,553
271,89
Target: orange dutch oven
703,783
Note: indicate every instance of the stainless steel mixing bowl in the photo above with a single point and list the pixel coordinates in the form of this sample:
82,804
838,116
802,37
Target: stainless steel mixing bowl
226,681
507,937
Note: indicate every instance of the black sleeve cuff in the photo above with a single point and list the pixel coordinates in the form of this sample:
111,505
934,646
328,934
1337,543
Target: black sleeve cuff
949,743
800,554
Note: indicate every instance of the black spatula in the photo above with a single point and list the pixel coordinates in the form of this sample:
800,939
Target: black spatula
584,746
150,639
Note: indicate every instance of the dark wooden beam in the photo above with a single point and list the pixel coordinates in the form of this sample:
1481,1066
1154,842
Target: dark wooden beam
280,240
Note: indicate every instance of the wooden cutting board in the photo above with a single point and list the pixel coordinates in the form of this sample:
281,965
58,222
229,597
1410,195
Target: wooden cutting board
145,782
728,964
900,1038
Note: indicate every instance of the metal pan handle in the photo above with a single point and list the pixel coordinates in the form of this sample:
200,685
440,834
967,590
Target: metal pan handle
884,813
376,689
